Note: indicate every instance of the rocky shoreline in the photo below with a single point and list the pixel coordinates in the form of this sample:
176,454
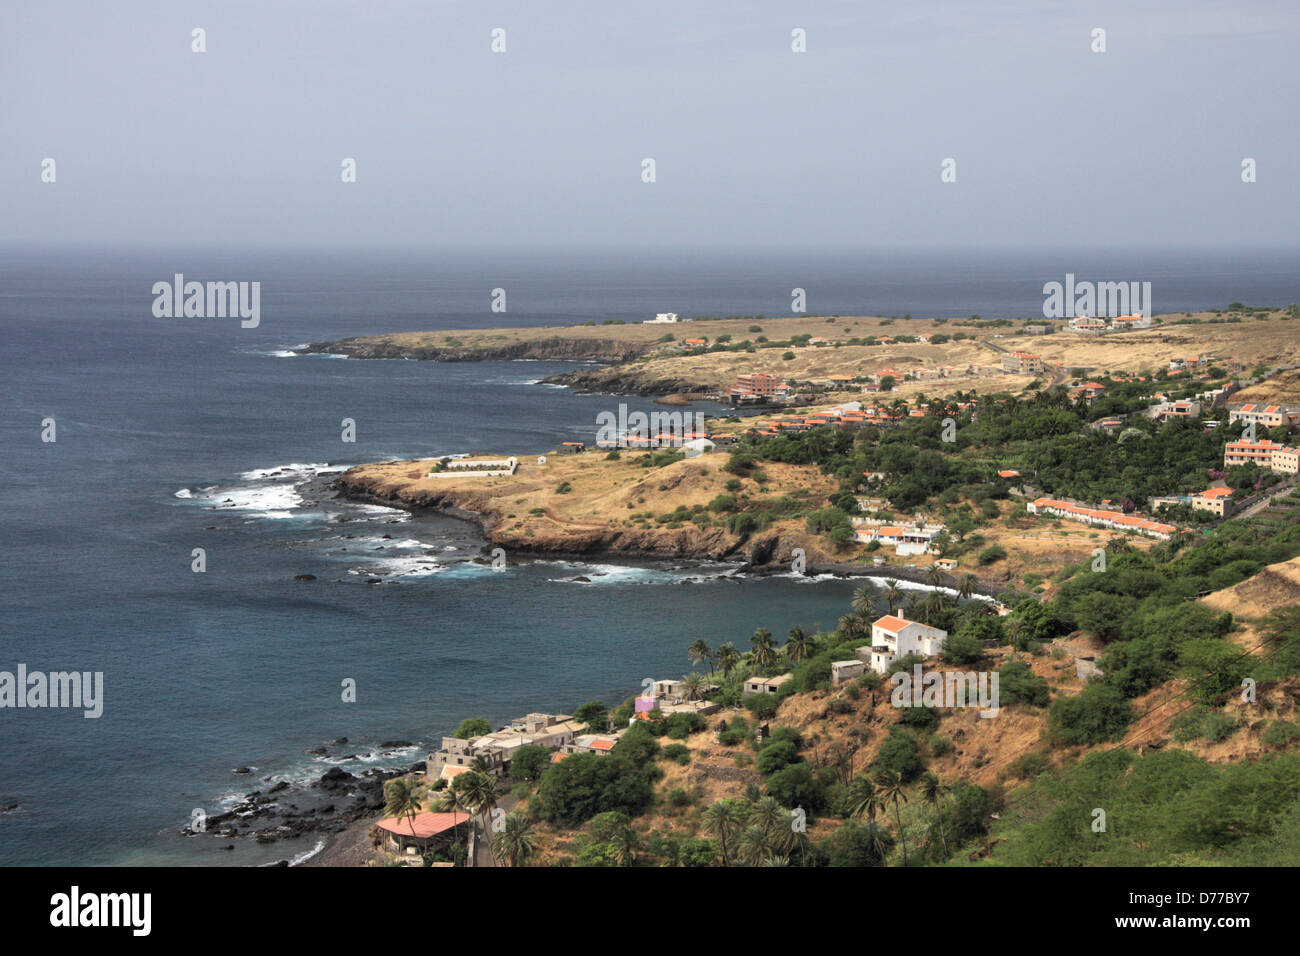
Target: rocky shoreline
282,811
761,556
556,348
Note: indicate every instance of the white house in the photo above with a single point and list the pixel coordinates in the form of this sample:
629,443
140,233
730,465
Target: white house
893,636
697,447
662,318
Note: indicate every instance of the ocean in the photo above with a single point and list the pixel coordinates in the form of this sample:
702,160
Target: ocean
181,434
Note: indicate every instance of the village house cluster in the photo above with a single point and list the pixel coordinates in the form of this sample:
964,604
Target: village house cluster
1102,517
1094,325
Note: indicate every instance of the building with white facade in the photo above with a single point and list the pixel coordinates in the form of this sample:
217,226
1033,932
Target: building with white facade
893,636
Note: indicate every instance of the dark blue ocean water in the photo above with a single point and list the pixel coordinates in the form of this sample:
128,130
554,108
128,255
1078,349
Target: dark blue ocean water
241,665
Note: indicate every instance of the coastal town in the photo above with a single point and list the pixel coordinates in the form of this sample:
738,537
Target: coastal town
829,472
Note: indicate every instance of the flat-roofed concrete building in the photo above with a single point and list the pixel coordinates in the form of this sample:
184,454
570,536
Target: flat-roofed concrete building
765,685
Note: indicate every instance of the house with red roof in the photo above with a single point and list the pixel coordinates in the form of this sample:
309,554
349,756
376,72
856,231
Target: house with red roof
894,636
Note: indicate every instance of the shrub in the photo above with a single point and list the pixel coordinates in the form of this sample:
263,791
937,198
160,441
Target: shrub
776,755
899,753
678,753
681,726
795,787
1280,733
1018,684
994,552
1202,723
1098,713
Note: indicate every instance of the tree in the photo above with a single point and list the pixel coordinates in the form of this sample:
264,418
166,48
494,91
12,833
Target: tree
764,654
694,684
528,762
864,599
400,801
477,792
594,714
699,651
514,841
858,844
472,727
892,790
932,792
724,820
966,587
799,646
892,594
934,576
583,785
727,658
863,800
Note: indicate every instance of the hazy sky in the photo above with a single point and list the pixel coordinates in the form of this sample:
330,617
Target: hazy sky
755,145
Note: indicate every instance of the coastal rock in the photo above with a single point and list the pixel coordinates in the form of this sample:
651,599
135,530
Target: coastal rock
304,577
241,770
390,744
555,347
335,778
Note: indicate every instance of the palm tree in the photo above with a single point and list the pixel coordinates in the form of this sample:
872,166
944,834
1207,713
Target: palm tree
700,651
694,684
864,800
727,658
627,842
514,841
774,821
933,605
401,802
967,586
764,653
892,790
932,791
864,599
934,576
892,593
799,647
1015,629
752,845
477,792
723,820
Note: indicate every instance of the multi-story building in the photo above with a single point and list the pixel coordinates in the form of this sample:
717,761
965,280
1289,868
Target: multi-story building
1267,454
1024,362
1269,416
756,383
893,636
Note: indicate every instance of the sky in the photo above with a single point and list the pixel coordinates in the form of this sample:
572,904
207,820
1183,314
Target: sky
754,145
